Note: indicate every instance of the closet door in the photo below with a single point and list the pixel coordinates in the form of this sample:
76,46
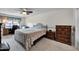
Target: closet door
63,34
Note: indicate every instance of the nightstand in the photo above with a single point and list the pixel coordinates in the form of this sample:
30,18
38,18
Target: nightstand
50,34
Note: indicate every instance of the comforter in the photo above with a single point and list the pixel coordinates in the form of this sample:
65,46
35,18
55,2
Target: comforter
28,36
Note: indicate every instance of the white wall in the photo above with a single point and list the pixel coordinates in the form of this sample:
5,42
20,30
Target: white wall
52,18
22,21
77,28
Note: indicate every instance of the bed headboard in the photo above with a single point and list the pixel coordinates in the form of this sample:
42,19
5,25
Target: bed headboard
39,25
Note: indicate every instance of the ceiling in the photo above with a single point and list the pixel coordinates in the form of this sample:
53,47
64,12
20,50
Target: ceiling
16,12
13,12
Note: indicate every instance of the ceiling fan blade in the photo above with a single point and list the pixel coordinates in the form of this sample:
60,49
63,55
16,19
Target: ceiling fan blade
25,10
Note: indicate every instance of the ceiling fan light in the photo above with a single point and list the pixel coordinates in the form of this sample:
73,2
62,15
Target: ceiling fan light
24,13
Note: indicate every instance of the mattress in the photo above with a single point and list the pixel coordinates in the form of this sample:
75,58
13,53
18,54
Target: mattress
51,45
28,36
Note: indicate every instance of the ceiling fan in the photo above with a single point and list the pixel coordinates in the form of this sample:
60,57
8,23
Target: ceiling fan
25,11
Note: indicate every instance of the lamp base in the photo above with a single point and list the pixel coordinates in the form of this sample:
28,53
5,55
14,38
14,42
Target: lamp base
4,47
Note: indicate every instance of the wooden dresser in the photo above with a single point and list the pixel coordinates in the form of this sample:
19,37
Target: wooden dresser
63,34
5,31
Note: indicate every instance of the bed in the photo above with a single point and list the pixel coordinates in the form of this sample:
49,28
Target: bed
46,44
27,36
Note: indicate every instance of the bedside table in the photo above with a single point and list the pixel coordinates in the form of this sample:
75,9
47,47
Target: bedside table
50,34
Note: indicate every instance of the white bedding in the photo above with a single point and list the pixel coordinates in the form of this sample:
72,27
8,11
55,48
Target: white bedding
28,36
51,45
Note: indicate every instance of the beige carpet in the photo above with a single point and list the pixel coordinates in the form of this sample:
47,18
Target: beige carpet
43,45
51,45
